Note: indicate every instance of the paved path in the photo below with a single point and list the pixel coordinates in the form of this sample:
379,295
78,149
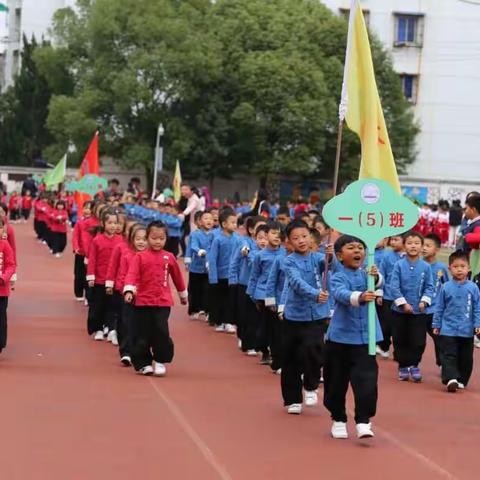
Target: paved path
70,411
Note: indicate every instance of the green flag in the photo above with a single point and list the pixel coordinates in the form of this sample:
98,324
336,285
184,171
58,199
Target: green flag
57,175
3,7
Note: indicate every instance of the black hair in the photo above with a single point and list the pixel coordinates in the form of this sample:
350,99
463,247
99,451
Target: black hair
297,223
473,201
316,236
458,255
225,215
273,225
198,216
211,209
2,222
320,219
283,211
413,234
88,204
434,238
156,224
4,207
394,236
61,202
313,212
252,222
345,240
115,181
261,228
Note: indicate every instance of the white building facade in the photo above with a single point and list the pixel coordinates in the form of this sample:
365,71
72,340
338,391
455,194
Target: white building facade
435,45
24,17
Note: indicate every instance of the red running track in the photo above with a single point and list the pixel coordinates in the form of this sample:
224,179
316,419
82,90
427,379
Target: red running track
69,410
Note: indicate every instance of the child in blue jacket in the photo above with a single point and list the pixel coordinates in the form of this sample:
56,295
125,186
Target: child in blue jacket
199,245
269,330
431,248
346,349
218,259
306,308
456,321
412,290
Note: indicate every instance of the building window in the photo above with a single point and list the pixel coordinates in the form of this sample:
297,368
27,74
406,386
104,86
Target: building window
345,12
408,29
410,87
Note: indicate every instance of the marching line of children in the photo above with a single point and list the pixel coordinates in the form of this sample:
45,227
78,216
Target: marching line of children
293,296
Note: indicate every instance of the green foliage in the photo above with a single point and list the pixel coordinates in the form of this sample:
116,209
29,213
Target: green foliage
240,85
23,113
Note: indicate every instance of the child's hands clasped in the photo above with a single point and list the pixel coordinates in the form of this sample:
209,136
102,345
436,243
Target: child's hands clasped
323,297
422,306
407,308
128,297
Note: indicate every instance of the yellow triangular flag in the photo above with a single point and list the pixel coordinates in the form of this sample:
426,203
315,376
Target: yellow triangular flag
177,182
361,106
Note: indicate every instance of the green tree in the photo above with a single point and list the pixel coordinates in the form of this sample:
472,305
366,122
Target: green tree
240,85
24,111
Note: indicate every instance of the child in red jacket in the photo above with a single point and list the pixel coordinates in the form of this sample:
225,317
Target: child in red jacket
80,270
27,202
147,282
59,228
7,270
14,205
99,255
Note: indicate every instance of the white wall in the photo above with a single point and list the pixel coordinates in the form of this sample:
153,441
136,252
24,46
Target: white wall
449,67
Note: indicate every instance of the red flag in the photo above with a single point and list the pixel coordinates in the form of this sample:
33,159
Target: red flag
89,165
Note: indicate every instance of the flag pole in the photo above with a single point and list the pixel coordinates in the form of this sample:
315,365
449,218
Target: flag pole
336,173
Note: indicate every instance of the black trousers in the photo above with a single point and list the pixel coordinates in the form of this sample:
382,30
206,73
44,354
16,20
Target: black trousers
303,347
99,307
59,242
248,319
218,294
14,214
385,316
41,230
124,329
457,358
151,337
173,245
409,338
269,335
3,322
350,364
436,341
26,213
197,292
79,274
114,313
48,237
233,307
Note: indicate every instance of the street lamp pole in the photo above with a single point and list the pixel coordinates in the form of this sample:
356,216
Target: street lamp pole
158,159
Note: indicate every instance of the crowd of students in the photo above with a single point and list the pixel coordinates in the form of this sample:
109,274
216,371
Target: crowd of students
293,291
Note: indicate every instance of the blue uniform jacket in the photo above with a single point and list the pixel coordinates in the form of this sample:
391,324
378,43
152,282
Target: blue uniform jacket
262,265
199,240
218,257
303,284
276,281
457,312
439,277
239,268
390,258
349,323
411,283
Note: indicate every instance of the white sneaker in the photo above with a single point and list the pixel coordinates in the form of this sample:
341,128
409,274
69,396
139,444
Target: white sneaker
105,331
58,255
194,316
202,315
239,344
159,369
251,353
382,353
126,360
311,398
98,335
294,409
85,302
220,328
79,299
148,370
461,386
113,337
452,385
339,430
364,430
476,341
229,328
278,372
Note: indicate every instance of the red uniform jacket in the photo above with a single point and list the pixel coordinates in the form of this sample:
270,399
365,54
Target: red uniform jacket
148,277
59,220
77,244
15,202
473,239
125,262
98,257
7,268
27,203
86,237
114,264
9,236
48,216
